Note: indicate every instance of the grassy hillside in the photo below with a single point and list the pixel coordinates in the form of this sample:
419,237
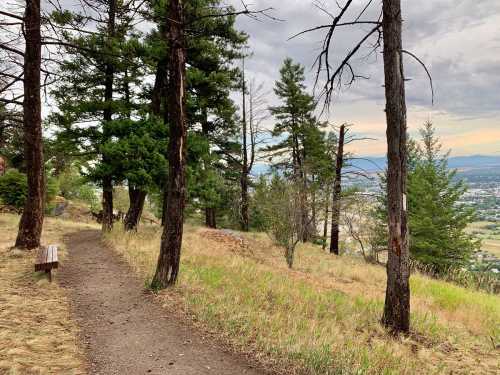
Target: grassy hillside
322,317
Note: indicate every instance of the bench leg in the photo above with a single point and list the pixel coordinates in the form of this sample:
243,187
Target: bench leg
49,274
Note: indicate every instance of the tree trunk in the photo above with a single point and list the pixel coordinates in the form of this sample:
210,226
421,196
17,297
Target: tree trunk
107,181
289,252
171,241
397,299
30,226
2,165
158,93
337,192
244,167
107,204
159,88
133,217
325,223
314,225
210,220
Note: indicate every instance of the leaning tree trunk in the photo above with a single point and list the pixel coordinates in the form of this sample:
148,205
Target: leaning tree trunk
137,198
107,181
337,192
397,298
30,226
170,249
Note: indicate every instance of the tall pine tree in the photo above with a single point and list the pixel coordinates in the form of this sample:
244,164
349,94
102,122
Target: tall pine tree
437,219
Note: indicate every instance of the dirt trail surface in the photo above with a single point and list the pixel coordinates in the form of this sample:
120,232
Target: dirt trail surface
124,331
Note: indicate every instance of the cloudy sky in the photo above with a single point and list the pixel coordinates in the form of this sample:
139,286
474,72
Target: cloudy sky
459,41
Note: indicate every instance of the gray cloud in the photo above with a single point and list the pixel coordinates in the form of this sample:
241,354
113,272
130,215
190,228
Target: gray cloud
456,39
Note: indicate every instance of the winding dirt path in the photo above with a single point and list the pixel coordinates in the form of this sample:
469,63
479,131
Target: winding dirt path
124,331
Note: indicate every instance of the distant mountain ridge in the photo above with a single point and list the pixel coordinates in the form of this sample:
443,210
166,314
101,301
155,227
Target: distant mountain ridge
379,163
376,164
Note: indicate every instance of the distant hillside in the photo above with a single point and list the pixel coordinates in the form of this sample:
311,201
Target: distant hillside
377,164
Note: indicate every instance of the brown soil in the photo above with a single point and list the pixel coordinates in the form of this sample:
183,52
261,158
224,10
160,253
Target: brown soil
122,328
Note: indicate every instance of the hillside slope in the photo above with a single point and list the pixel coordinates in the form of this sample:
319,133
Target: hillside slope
322,317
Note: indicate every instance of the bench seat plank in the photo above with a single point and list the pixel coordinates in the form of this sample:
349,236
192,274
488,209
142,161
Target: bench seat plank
47,259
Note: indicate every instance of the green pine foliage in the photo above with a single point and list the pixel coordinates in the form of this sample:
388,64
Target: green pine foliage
295,122
437,219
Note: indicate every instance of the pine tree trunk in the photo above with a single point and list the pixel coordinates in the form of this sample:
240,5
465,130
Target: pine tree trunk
170,248
107,181
107,204
337,193
313,227
397,299
30,226
210,218
325,223
244,201
137,198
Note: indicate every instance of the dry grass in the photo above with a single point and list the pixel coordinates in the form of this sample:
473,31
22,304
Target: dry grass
491,246
322,317
37,335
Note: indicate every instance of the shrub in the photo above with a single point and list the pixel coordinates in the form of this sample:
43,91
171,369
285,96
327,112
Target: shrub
87,193
13,188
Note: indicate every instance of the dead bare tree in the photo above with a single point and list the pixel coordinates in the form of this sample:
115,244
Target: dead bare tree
397,298
337,191
344,168
252,137
359,224
245,167
386,28
284,216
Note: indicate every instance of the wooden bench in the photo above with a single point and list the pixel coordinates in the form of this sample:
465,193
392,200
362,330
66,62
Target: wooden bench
47,259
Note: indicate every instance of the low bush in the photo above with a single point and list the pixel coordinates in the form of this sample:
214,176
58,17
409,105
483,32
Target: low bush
14,189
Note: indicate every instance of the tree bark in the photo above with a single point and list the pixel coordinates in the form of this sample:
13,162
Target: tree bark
325,223
137,198
313,232
397,299
244,166
159,88
170,248
157,95
210,219
30,226
337,192
107,181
